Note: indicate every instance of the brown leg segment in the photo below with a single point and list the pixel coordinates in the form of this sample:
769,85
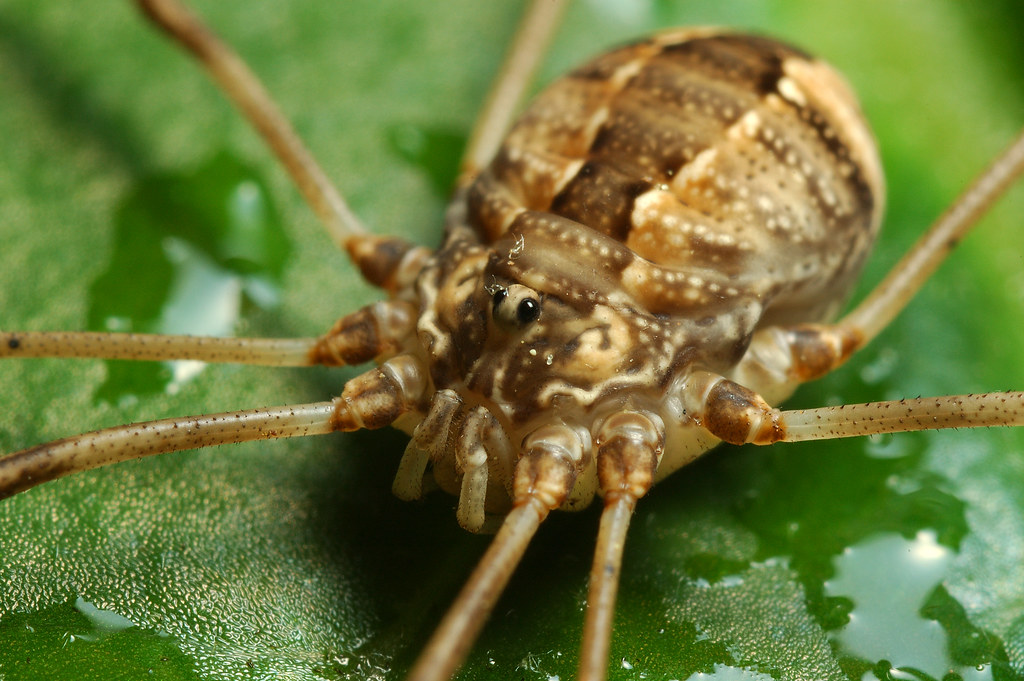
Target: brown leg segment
374,331
372,400
30,467
738,415
366,334
629,448
545,474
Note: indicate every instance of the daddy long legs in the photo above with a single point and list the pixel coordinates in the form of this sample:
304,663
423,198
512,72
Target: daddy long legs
796,38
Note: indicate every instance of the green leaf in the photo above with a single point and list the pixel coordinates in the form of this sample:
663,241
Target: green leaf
292,560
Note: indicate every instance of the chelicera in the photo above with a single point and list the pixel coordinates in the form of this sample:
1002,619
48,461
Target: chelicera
648,363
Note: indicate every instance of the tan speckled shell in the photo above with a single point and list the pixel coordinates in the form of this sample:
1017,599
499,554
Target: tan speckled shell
729,157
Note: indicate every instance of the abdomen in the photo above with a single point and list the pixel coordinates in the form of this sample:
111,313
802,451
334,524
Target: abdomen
703,151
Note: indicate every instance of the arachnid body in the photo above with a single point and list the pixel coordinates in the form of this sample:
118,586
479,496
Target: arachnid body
132,539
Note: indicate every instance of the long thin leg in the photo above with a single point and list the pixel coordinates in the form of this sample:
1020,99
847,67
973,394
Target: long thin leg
370,332
802,353
249,95
371,400
738,415
535,32
629,447
604,587
458,630
544,476
30,467
155,348
904,280
897,416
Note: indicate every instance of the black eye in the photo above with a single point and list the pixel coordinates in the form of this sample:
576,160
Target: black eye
527,311
515,307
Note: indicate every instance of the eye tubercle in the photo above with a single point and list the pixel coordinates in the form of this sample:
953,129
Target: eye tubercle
515,307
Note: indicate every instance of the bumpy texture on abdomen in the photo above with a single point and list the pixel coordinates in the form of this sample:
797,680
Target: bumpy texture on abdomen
702,152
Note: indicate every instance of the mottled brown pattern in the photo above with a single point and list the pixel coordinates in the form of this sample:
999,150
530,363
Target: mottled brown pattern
378,258
750,63
742,171
601,196
660,204
361,342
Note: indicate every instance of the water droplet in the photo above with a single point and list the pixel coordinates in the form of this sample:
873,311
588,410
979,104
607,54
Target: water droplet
881,368
85,633
889,578
189,250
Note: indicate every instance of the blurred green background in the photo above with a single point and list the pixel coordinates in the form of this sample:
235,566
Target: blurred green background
899,557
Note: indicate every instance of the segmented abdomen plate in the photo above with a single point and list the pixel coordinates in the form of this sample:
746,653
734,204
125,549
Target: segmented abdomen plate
702,151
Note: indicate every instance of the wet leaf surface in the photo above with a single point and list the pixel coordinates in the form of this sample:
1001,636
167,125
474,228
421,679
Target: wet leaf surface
292,560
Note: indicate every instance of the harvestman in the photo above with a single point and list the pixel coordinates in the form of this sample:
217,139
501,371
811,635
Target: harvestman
502,439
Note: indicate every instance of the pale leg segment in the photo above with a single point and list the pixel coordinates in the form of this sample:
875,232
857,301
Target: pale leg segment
156,348
30,467
460,627
604,587
530,45
922,413
904,280
249,95
372,400
374,331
